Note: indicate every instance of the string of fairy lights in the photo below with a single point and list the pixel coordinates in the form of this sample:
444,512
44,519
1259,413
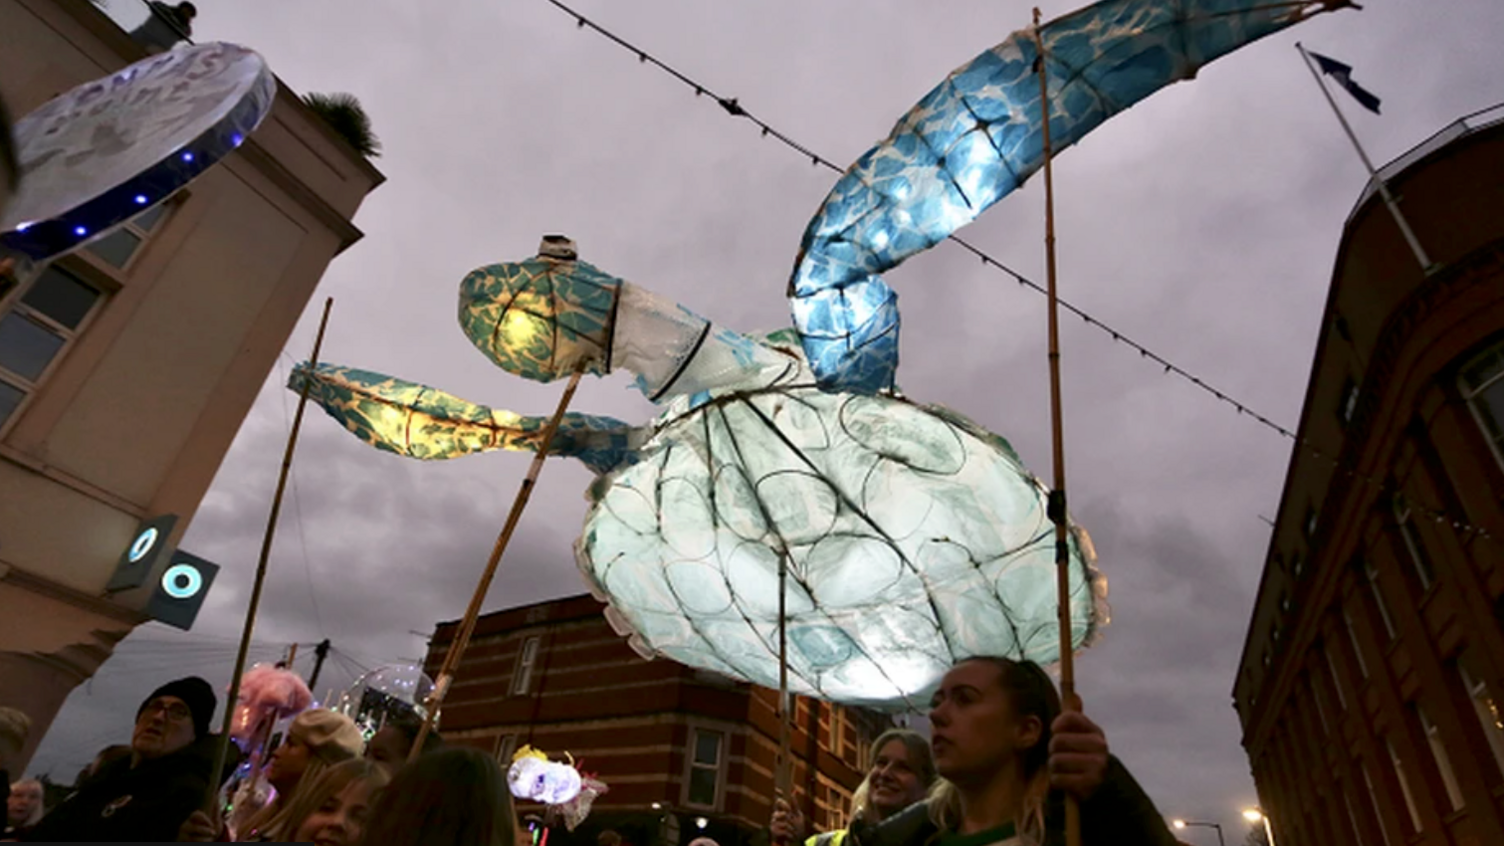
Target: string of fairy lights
734,109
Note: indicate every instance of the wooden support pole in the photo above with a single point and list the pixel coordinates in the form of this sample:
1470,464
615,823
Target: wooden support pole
472,614
221,753
1057,505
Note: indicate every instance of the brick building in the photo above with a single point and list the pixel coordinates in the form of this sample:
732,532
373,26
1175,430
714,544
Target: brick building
1373,674
686,753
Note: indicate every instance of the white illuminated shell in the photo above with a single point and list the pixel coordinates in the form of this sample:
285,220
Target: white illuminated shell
914,538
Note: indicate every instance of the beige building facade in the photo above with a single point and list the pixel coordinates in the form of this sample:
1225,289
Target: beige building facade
127,367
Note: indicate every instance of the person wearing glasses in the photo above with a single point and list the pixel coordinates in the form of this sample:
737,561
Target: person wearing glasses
147,795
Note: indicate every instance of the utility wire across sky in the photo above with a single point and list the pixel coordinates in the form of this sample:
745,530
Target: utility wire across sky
733,108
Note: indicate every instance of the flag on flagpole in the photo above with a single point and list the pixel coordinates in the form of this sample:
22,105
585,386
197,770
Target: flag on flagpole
1344,76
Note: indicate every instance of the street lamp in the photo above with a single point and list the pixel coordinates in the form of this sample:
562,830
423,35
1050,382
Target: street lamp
1183,824
1255,815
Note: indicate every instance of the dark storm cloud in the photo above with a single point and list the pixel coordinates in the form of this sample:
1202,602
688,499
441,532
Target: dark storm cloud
1202,222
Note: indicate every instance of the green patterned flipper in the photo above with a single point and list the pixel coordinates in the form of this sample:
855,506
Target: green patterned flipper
421,422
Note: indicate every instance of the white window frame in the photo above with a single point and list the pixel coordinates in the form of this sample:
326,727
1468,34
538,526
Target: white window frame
1375,805
1398,764
690,765
1471,394
506,747
1443,760
12,304
1377,590
1424,570
1349,403
168,208
1331,668
1352,639
527,662
1315,687
1486,707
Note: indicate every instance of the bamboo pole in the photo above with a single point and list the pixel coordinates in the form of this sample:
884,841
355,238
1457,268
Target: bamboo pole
221,752
472,614
785,774
1069,700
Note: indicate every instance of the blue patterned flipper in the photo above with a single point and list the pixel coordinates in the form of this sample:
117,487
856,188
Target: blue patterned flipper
973,140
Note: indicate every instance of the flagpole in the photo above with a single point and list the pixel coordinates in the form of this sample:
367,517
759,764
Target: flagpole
1426,265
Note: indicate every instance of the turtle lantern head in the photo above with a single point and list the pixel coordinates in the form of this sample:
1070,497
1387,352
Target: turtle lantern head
540,318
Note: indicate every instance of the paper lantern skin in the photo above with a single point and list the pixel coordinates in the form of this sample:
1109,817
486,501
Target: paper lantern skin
112,148
538,321
914,538
975,138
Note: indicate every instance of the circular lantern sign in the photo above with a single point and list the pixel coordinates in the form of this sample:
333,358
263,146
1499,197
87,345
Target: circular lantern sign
109,149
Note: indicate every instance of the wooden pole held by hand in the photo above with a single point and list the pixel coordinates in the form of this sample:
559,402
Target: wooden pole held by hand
1057,506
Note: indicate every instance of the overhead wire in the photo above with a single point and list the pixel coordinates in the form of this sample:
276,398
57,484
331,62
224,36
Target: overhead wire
733,108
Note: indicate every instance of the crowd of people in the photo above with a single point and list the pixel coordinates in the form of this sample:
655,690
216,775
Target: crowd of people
997,769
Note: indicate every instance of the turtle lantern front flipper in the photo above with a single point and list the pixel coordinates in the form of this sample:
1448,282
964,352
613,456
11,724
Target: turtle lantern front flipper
540,317
421,422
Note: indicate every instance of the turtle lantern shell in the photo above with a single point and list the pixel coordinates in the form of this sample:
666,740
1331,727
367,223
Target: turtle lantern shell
914,538
540,318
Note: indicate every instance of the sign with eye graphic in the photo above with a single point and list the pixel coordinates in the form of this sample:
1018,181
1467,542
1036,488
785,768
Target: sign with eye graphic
181,590
140,557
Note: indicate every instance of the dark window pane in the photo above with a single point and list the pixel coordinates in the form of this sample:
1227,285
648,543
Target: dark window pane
148,220
10,398
62,297
116,248
707,747
26,346
1482,370
702,786
1490,406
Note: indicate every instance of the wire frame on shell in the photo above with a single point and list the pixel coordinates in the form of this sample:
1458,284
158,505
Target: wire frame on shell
913,538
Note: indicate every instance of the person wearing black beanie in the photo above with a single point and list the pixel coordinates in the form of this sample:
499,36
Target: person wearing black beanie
147,795
196,695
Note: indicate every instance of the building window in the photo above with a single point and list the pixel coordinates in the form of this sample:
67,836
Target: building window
1399,774
40,324
1443,760
1315,689
838,733
1352,639
506,747
832,805
1331,669
1349,404
118,248
1483,387
1352,819
527,659
1378,598
1413,546
1486,706
704,768
1375,805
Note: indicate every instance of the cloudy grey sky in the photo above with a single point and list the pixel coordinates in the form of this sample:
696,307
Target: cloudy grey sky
1203,223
